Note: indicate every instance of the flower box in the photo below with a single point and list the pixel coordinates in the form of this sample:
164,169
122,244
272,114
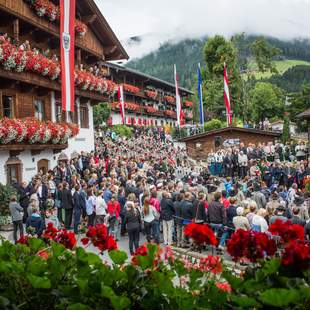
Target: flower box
18,60
169,99
151,94
131,89
33,131
47,9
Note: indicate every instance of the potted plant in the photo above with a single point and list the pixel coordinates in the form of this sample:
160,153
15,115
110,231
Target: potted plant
5,217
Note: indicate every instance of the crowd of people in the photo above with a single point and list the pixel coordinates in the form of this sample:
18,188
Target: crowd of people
273,161
146,184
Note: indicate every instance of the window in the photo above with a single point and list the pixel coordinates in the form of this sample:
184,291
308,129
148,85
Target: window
39,111
13,170
84,116
58,111
7,106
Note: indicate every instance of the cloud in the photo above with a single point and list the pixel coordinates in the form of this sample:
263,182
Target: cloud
162,20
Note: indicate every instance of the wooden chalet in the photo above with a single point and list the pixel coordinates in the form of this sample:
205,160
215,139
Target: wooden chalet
30,81
199,146
148,100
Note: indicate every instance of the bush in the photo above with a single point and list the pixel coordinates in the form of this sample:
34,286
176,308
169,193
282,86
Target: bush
214,124
123,130
177,133
5,193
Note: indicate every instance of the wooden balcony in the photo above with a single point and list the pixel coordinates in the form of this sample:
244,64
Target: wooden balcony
17,148
37,80
21,9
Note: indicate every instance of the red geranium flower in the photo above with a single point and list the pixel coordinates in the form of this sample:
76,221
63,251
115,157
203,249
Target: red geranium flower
100,238
211,263
85,241
23,240
223,286
200,233
43,254
66,238
296,256
111,244
251,245
287,231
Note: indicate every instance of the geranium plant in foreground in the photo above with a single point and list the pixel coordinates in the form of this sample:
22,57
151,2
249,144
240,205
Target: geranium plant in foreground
54,272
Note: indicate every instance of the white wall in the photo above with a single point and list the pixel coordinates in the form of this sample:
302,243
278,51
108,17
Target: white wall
84,141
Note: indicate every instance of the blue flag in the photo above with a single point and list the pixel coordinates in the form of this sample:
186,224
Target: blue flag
202,121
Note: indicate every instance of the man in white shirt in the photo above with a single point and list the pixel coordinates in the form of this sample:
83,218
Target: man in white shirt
101,208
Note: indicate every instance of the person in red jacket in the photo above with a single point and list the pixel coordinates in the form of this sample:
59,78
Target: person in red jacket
114,209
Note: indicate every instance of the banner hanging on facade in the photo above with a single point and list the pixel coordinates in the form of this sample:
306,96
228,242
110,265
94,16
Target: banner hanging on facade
121,102
67,33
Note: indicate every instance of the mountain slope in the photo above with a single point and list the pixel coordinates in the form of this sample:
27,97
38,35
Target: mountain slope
188,53
185,54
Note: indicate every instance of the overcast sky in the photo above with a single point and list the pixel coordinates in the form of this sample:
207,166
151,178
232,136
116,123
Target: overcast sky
160,20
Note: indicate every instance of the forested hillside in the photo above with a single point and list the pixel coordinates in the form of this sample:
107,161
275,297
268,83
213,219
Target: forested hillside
188,53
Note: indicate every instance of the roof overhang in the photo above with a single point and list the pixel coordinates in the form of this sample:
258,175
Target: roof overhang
305,114
102,30
232,129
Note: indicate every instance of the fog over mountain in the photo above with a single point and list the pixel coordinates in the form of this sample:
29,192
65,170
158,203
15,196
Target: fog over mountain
158,21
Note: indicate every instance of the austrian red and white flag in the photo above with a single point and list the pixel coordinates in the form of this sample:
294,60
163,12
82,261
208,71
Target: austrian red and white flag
121,102
67,35
227,97
180,114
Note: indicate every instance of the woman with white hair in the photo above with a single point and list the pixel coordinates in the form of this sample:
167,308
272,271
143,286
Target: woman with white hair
253,208
240,221
259,223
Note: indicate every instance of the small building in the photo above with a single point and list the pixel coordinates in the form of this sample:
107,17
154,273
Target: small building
199,146
149,101
306,115
278,127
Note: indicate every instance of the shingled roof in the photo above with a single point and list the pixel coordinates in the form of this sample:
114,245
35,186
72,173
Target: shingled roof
305,114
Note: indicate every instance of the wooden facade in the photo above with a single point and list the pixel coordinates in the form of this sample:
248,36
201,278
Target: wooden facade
199,146
157,108
27,94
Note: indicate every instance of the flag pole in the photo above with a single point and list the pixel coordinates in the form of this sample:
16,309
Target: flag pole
201,111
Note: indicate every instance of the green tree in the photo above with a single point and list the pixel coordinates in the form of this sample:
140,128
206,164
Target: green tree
101,113
217,52
286,130
266,100
264,53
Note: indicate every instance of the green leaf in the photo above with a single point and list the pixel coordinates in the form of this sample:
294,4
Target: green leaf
39,282
279,297
78,306
118,302
36,266
305,291
36,244
94,259
272,266
58,249
118,257
245,301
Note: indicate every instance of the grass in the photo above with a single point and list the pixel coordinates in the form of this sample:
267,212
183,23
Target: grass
282,66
